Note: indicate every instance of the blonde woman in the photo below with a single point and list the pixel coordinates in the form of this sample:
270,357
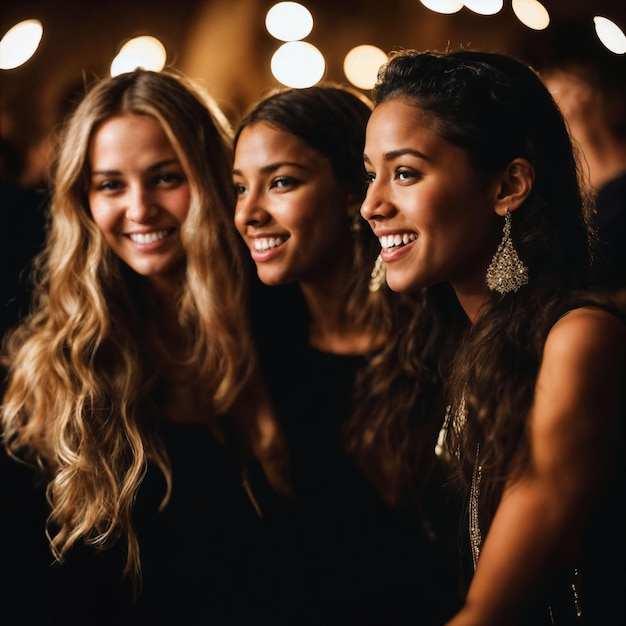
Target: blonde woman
121,378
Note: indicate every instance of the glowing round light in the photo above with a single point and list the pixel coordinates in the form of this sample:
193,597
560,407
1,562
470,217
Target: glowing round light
484,7
531,13
289,21
443,6
610,34
146,52
298,64
361,65
19,43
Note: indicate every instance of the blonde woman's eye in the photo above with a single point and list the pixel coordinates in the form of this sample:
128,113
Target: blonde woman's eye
170,178
108,185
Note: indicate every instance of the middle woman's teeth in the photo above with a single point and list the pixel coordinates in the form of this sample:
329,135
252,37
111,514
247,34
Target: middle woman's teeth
148,237
391,241
261,245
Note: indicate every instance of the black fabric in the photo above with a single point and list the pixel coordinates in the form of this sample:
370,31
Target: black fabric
206,558
356,561
591,590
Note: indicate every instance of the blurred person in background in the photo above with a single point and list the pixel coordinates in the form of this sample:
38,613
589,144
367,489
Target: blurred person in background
588,82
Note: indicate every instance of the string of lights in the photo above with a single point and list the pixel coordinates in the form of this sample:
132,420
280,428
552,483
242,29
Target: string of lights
296,62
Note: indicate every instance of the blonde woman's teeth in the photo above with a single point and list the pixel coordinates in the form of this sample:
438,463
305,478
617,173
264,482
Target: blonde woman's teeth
392,241
261,245
148,237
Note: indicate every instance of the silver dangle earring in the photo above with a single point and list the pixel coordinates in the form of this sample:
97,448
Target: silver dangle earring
377,277
506,271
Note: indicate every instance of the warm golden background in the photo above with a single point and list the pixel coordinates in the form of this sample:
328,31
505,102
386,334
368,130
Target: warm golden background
225,43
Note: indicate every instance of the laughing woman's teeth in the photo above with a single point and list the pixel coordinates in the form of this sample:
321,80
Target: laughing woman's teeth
148,237
392,241
261,245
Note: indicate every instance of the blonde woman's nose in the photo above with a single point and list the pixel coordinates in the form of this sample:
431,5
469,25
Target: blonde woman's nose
142,204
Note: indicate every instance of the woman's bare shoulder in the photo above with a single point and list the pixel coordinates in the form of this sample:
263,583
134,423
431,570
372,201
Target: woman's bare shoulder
580,386
586,330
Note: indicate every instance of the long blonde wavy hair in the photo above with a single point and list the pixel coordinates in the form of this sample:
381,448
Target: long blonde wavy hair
81,399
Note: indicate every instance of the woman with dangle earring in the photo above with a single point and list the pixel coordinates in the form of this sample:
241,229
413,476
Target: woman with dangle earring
469,159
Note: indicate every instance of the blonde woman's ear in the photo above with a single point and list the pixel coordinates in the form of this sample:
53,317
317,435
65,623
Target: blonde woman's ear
514,185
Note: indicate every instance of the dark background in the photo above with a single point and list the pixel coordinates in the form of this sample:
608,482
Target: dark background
224,43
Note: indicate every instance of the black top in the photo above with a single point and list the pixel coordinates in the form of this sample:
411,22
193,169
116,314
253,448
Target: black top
205,558
356,561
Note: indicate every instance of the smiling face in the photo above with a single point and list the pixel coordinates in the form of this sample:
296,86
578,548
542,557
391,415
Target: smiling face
139,194
291,210
434,218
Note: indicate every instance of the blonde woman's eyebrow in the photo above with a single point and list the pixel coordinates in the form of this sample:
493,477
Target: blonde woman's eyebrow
152,168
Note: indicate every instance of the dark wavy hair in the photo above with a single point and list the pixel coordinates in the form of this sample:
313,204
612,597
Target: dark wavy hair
497,109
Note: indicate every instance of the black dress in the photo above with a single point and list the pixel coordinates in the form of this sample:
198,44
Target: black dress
354,560
205,557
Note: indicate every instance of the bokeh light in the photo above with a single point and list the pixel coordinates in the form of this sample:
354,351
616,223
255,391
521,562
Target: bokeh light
146,52
289,21
298,64
484,7
610,34
361,65
531,13
443,6
19,43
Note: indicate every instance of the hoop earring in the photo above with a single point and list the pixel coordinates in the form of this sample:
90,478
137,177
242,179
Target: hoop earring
506,271
377,277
